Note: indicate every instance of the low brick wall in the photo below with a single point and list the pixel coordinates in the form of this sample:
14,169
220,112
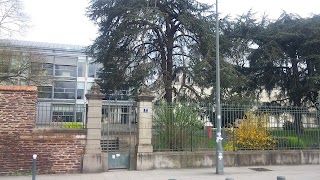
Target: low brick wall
58,150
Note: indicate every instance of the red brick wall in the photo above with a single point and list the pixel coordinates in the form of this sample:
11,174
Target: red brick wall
59,151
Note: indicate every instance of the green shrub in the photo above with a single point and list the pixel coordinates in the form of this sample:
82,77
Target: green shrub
175,125
289,142
72,125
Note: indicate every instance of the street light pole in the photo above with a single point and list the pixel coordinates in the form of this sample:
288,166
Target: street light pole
219,150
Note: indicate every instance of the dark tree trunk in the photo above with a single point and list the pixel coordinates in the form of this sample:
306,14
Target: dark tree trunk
296,98
298,122
170,41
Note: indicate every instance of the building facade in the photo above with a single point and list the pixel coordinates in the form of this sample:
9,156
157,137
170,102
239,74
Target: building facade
69,73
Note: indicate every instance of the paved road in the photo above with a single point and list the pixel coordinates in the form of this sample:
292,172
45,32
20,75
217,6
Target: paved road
304,172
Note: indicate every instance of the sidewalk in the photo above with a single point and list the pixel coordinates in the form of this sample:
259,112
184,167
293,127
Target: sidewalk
310,172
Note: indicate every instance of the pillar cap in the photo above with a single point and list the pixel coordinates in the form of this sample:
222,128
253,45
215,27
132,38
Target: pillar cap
145,95
95,92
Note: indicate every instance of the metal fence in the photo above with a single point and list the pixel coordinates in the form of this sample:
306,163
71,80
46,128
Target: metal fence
118,130
60,115
192,127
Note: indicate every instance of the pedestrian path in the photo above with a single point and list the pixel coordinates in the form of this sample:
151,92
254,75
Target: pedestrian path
307,172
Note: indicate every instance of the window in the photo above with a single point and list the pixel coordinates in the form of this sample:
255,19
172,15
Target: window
91,70
64,89
62,116
45,91
48,69
4,66
67,113
124,115
6,61
63,60
81,69
65,71
89,85
80,90
189,80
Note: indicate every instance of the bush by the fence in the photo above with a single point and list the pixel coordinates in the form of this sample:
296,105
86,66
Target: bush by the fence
175,126
289,142
72,125
252,134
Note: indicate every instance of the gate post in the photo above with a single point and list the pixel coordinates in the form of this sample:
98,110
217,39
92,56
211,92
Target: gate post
145,159
92,158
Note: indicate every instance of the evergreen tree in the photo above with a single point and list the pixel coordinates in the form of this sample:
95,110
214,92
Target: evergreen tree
149,42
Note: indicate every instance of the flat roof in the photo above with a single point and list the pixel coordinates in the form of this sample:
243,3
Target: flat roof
42,45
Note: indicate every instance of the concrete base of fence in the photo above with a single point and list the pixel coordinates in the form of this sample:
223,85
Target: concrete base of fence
163,160
145,161
105,163
92,163
133,161
183,159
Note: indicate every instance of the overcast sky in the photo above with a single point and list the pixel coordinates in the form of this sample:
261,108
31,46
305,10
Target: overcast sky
64,21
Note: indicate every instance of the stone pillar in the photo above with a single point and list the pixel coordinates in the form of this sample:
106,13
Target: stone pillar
145,159
92,162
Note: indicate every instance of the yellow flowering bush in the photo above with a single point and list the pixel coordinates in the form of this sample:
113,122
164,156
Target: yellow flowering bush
252,134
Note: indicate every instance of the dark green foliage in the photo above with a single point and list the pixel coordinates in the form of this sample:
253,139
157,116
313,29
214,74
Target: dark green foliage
175,126
289,138
289,142
288,58
149,42
282,55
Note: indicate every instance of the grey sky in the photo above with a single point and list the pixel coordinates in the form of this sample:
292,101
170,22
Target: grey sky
64,21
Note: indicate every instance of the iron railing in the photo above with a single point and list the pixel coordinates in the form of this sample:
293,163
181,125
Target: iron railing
118,126
191,127
60,115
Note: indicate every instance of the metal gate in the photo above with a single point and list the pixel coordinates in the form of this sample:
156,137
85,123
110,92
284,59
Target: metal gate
118,132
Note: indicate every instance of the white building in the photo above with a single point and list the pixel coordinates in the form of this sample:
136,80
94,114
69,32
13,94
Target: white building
70,74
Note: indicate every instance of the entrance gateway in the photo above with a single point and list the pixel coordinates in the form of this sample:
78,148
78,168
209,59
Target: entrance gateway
118,132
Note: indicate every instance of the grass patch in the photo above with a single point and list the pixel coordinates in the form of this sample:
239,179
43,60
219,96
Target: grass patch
197,141
310,138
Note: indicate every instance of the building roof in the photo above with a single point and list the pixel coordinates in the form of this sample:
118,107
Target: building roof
42,46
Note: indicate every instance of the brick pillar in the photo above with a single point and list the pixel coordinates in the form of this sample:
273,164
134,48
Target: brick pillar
144,132
92,162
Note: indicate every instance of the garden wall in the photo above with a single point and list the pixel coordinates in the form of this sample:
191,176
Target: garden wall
240,158
58,150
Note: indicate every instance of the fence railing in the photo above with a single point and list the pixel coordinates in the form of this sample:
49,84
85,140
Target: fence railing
60,115
192,127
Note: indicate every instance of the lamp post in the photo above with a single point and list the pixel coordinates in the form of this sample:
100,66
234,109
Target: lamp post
219,150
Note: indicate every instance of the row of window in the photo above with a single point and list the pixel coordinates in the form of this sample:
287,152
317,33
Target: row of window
63,90
71,70
54,66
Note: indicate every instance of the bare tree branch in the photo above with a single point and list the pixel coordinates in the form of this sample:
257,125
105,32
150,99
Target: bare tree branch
13,21
22,67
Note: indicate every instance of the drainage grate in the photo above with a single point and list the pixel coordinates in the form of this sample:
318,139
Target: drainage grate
260,169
